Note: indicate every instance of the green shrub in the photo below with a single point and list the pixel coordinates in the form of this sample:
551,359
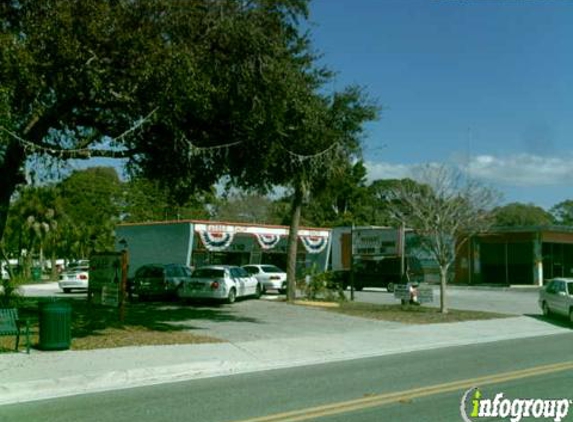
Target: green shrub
320,286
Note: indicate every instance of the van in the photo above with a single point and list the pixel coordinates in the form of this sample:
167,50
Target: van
384,272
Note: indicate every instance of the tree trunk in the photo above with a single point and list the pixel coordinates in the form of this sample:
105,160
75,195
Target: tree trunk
293,241
443,282
11,164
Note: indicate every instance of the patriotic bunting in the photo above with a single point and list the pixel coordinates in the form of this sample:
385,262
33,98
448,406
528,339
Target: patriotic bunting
216,242
314,244
268,241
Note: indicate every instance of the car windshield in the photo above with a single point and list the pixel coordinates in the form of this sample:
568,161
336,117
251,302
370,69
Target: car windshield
208,273
150,272
271,269
78,265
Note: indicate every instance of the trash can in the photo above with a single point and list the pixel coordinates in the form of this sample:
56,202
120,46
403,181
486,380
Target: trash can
36,273
55,325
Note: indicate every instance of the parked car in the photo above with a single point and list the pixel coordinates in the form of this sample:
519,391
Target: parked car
75,276
270,277
557,297
159,280
223,282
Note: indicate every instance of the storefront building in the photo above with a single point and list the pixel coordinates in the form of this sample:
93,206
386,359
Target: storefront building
516,256
196,243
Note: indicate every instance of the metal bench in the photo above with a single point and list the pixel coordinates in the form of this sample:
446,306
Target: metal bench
10,326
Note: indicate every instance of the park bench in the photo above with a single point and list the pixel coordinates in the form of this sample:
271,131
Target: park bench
10,326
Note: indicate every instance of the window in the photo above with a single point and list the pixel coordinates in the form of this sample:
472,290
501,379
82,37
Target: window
251,270
208,273
271,269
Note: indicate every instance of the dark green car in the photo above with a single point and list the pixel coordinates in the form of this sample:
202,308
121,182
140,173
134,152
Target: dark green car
159,280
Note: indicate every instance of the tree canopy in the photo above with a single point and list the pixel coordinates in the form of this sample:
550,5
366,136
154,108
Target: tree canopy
517,214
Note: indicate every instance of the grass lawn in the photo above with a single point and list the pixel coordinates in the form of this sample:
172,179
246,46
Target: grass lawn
96,327
411,314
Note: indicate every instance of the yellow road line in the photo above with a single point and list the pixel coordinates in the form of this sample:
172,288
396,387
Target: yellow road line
386,398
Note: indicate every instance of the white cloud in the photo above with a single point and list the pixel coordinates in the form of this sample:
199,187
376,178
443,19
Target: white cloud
388,171
523,170
520,170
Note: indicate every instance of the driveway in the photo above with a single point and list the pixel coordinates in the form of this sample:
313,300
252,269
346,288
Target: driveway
515,301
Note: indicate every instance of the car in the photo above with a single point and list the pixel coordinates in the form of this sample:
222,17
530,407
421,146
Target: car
75,276
270,277
159,280
222,282
556,297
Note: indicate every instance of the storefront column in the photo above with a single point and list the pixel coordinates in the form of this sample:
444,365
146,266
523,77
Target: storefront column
538,261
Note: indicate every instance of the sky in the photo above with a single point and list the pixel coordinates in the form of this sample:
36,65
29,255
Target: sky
486,85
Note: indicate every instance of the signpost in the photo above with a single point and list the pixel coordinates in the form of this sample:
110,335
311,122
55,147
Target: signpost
108,280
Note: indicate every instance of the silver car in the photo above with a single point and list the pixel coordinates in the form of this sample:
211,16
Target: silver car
224,282
75,277
557,297
270,277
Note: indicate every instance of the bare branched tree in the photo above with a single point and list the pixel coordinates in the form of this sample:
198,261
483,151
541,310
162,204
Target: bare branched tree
445,210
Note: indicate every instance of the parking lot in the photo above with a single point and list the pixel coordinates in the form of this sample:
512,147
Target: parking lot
269,318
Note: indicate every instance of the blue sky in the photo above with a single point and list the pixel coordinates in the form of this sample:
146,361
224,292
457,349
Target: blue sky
483,84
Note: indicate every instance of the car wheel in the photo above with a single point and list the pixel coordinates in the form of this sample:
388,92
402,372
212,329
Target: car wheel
545,309
232,296
67,290
390,287
358,288
571,316
258,291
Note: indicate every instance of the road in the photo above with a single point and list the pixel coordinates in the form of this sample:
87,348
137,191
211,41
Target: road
420,386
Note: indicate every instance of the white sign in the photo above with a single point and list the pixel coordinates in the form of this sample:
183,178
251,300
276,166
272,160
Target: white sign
383,241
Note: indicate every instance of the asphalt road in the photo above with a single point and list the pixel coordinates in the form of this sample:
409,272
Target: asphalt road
420,386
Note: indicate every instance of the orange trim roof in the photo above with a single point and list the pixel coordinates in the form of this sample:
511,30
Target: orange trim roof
154,223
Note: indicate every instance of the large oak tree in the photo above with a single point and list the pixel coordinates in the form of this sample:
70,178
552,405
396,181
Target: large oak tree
188,92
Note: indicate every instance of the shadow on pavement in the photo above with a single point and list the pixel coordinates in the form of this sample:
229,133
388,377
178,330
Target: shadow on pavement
87,320
555,320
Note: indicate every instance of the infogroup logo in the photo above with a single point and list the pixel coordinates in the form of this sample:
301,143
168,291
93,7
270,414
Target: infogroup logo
474,406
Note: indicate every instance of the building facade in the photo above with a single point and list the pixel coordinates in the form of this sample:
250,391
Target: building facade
516,256
196,243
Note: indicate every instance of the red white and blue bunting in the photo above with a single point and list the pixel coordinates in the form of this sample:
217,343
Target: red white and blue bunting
216,241
314,244
267,241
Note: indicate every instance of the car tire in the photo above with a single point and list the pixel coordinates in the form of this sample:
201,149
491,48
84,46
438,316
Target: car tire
358,288
545,309
67,290
258,291
390,287
571,316
232,296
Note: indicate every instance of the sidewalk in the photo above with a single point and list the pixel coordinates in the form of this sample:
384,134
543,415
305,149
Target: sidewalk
43,375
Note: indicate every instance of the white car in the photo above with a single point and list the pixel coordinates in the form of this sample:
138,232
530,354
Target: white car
75,277
224,282
557,297
271,277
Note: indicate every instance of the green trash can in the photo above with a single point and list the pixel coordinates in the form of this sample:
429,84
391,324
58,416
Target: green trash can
36,273
55,325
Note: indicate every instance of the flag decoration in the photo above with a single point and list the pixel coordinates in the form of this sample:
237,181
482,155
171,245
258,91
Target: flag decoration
267,241
314,244
216,241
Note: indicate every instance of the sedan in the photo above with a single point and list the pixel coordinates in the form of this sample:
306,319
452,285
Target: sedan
75,277
269,276
557,297
159,280
224,282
